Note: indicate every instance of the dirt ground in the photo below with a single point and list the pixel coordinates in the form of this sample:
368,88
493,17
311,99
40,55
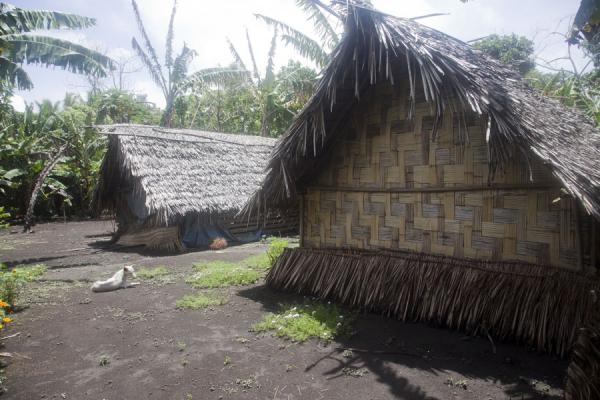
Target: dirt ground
152,350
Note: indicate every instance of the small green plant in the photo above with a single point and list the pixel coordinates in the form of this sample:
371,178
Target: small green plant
184,362
348,354
246,384
227,361
301,322
461,383
259,262
13,281
355,372
200,300
215,274
104,361
276,248
3,217
181,346
264,261
152,273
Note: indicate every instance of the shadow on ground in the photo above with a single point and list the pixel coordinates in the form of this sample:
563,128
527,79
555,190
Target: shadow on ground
391,349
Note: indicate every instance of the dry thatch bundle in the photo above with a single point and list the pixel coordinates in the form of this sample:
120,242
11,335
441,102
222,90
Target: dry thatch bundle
155,179
583,375
536,305
450,75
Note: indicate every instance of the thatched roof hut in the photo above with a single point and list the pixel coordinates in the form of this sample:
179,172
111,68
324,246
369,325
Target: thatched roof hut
435,185
451,77
169,187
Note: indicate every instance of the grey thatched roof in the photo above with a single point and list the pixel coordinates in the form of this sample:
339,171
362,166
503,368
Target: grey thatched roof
177,172
451,75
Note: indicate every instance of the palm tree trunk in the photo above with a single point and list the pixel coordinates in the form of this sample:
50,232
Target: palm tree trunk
264,126
38,185
167,116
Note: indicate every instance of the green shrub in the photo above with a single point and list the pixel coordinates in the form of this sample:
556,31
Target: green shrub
201,300
300,322
13,281
215,274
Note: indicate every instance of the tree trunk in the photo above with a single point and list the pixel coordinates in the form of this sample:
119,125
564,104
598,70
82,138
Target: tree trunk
167,116
38,185
264,126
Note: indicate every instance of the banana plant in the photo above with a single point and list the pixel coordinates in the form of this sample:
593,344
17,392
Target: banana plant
173,77
18,46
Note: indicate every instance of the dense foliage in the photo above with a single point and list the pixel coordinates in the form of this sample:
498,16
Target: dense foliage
30,138
516,51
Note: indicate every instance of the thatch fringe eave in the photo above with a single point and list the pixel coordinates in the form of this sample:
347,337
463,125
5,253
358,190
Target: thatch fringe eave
540,306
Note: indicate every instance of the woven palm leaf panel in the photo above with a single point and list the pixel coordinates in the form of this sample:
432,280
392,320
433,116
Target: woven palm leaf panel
391,184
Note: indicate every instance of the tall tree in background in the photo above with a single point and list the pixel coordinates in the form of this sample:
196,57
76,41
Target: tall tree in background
18,46
173,78
516,51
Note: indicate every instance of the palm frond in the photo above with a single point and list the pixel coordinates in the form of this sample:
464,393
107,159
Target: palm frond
48,51
214,76
322,26
13,75
302,43
236,55
151,52
154,73
307,49
181,64
170,36
251,50
270,71
16,20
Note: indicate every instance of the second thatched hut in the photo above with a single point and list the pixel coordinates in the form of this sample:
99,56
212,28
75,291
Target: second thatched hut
172,189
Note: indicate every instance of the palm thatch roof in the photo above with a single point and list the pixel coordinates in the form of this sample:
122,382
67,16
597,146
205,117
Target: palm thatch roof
451,75
173,173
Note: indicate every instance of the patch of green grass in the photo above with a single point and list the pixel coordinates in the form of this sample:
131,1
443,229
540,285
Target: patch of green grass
259,262
227,361
216,274
12,282
30,272
301,322
264,261
200,300
152,273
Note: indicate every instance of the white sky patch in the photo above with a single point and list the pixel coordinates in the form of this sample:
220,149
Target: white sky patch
205,25
152,92
18,103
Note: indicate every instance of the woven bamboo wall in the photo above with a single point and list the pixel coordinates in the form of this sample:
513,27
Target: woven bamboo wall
389,185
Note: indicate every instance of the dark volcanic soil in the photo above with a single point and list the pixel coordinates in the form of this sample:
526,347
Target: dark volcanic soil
151,350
